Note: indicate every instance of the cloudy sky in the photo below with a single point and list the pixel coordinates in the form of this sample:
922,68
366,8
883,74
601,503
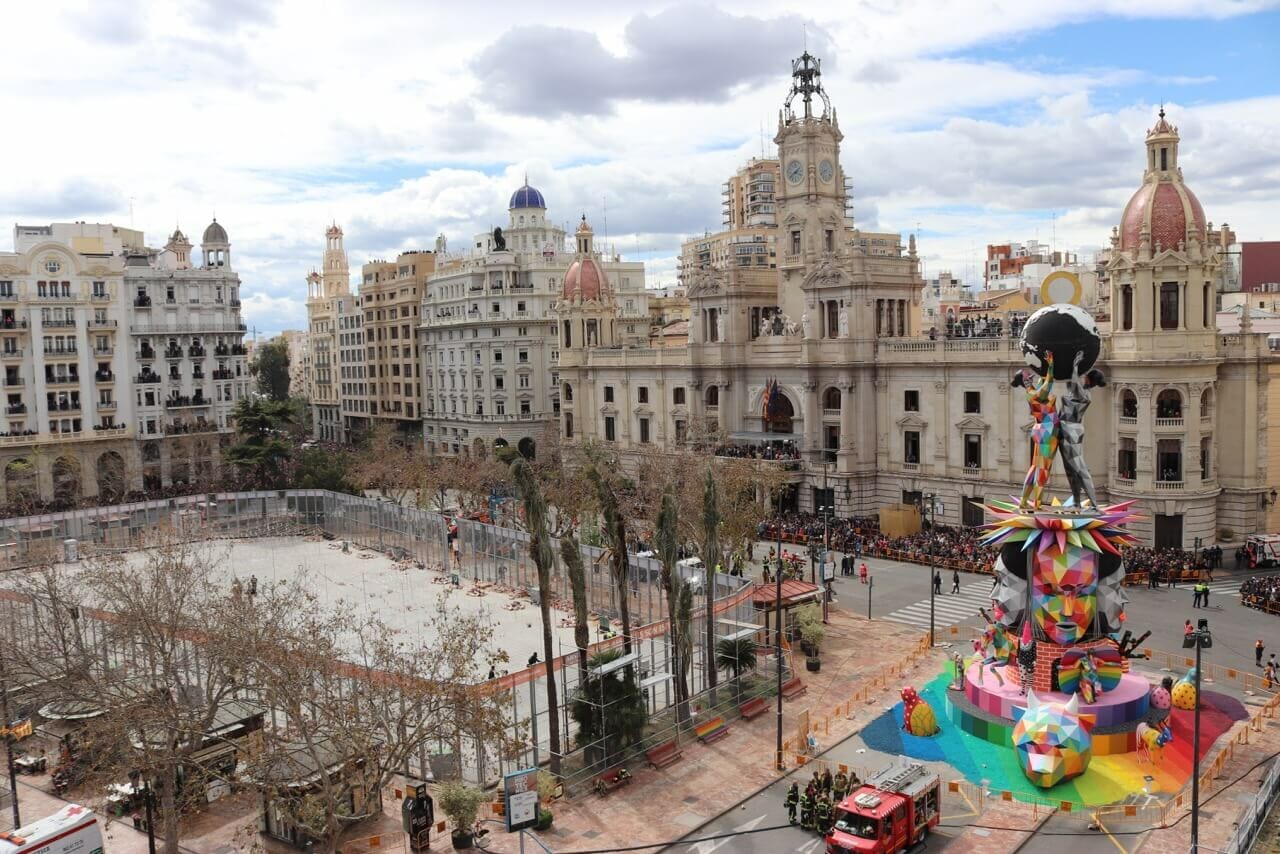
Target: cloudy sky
969,122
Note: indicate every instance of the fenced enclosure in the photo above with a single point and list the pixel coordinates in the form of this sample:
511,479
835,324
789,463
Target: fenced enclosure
478,554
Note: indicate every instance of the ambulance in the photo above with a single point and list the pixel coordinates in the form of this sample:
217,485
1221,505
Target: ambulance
72,830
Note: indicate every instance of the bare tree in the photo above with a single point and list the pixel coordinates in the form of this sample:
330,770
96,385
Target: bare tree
385,463
358,701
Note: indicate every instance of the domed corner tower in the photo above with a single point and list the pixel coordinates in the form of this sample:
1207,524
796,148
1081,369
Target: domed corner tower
587,309
1165,364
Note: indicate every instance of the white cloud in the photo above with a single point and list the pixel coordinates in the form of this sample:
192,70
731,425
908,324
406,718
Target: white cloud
401,121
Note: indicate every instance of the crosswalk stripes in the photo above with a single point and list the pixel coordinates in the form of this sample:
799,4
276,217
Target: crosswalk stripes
949,608
1218,587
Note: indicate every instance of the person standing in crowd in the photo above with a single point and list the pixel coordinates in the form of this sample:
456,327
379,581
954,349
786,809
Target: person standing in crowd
937,582
862,572
793,801
1257,652
955,581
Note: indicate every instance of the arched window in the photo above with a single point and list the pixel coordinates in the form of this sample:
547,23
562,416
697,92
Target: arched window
568,425
831,399
1128,404
568,393
1206,404
1126,307
1169,404
713,396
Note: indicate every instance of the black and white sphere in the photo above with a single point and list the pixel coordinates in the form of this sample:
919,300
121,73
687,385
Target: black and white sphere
1064,330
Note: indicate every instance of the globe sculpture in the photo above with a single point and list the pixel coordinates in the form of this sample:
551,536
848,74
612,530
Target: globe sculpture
1065,692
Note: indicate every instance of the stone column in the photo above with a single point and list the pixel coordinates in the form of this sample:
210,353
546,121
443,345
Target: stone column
1146,465
845,456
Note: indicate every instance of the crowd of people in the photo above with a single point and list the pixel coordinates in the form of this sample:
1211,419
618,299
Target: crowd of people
765,451
1261,592
983,326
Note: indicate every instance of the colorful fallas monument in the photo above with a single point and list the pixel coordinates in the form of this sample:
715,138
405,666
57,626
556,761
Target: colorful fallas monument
1050,676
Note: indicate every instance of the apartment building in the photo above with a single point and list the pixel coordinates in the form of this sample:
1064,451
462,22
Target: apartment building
122,363
324,287
391,297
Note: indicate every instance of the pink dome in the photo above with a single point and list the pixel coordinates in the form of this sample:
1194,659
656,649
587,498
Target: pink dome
1164,207
584,281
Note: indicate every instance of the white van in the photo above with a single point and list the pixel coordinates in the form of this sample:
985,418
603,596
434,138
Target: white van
71,830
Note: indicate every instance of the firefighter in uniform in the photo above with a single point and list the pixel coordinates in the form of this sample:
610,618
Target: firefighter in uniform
826,782
822,814
793,800
839,787
806,810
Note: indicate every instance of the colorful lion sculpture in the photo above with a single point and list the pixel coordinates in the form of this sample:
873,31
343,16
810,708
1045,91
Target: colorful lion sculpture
1053,741
918,717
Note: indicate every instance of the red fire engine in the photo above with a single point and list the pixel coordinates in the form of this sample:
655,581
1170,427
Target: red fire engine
891,812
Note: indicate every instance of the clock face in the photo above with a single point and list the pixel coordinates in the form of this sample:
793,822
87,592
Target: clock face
826,171
795,171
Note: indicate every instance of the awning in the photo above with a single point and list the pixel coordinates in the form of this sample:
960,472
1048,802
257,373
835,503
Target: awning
794,592
759,436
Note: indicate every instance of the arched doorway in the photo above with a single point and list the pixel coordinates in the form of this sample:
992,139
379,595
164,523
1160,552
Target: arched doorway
20,481
778,414
527,448
66,479
111,480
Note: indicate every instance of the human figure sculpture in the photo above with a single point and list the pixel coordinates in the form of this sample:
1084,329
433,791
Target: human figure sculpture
720,326
778,326
1044,434
844,323
807,325
1071,408
766,328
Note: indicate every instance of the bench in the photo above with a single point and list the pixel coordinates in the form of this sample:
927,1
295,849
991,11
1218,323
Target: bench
614,778
753,708
793,687
711,730
667,753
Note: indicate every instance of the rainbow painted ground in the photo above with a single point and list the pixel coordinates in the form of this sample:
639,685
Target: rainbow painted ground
1110,779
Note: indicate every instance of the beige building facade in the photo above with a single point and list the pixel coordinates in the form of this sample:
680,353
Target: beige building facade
827,352
324,287
391,297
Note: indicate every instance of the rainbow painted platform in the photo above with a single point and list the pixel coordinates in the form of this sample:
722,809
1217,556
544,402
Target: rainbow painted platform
986,710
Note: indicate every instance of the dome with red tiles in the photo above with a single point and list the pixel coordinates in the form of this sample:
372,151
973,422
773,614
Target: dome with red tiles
1163,204
584,281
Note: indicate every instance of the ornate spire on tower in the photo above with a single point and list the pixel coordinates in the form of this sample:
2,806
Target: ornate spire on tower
805,82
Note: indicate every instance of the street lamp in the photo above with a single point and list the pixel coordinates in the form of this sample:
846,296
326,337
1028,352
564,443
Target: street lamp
777,635
826,511
931,505
1200,639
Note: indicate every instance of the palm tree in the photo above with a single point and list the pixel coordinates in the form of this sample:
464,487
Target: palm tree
535,516
609,710
615,534
666,541
571,556
736,655
711,559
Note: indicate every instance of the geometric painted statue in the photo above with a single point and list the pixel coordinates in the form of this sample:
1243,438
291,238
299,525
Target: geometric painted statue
1052,741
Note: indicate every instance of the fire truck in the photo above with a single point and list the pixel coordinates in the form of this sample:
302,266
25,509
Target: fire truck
71,830
891,812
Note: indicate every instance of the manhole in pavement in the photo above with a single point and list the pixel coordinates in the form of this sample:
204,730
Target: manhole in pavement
692,799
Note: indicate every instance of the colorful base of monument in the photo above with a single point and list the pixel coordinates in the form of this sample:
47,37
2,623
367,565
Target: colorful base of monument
1124,705
1110,778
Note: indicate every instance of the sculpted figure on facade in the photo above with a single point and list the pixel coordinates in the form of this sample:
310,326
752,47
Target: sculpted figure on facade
720,326
844,322
807,325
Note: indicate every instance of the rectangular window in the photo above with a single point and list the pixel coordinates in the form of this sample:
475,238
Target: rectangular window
682,431
497,357
522,356
1169,305
677,396
644,431
911,447
911,400
500,407
525,408
972,402
972,451
795,242
608,429
608,394
642,394
524,380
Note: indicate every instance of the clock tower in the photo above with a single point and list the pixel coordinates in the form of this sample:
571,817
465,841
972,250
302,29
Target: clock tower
811,197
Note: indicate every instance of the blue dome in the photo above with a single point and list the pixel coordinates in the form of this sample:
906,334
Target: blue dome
527,197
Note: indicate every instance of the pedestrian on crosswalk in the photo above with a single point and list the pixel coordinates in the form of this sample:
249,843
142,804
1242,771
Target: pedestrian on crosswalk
1257,652
955,581
937,582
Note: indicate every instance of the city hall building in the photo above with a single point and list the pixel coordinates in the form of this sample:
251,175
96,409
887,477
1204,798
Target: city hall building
823,347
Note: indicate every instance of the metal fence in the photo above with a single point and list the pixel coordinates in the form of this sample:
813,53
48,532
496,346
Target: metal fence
480,553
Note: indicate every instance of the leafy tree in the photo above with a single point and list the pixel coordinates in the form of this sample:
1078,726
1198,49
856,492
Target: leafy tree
736,655
262,456
271,367
666,540
615,533
535,518
316,468
609,710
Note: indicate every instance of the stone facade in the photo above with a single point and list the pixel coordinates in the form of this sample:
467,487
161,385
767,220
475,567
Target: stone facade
324,287
883,414
122,363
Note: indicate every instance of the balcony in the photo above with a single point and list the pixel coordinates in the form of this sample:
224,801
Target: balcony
142,302
100,296
106,406
60,352
1128,421
147,378
1169,485
12,323
239,350
184,402
102,323
103,351
1169,423
104,377
146,353
62,380
235,303
221,350
173,353
64,406
59,323
10,354
222,374
184,428
196,352
14,381
197,374
16,409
